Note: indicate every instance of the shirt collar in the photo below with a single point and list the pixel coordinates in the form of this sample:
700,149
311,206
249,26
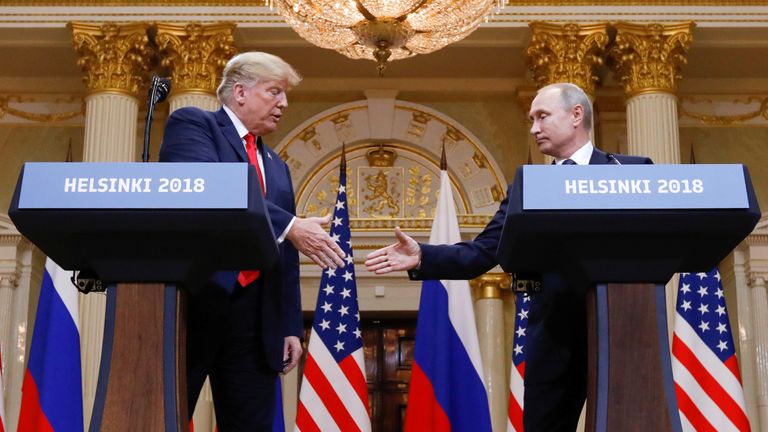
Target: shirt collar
580,156
242,131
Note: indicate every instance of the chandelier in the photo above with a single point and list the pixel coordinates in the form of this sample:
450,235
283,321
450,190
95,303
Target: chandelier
385,30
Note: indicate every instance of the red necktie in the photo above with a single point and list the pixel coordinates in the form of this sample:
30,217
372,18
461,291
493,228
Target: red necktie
246,277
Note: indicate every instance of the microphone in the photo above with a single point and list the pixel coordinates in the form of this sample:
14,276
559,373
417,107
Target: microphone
613,159
158,91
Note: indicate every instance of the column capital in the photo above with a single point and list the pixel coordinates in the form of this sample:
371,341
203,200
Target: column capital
114,57
567,53
489,285
649,57
756,279
195,53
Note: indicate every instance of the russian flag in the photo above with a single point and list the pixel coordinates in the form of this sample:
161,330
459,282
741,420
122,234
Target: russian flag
52,395
446,391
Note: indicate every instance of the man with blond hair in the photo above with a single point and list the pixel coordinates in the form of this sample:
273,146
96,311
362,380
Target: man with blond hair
246,327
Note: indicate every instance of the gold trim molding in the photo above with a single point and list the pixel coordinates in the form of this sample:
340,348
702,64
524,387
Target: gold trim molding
114,57
727,120
6,108
567,53
489,285
195,53
649,57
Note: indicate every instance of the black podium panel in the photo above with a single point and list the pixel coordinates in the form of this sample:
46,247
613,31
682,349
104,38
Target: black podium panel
151,245
620,245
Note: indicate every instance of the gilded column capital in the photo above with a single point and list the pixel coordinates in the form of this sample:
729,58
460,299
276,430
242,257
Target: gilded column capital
649,57
195,54
114,57
489,285
567,53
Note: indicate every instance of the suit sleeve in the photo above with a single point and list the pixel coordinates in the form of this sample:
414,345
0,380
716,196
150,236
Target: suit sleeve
465,260
294,324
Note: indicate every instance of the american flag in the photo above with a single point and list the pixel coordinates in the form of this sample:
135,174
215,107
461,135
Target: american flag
517,374
704,365
334,394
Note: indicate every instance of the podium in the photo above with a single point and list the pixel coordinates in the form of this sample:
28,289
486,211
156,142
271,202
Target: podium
626,229
149,232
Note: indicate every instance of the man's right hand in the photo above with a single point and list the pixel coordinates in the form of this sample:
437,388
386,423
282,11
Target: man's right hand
403,255
309,237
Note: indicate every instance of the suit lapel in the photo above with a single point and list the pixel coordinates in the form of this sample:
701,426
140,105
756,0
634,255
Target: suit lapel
229,131
269,168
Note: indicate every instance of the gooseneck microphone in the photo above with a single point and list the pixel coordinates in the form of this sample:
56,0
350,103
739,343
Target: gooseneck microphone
613,159
158,91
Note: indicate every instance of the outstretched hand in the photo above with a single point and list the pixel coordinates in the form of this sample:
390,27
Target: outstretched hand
309,237
405,254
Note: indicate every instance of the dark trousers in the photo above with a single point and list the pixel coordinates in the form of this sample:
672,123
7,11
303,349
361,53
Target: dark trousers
556,366
225,343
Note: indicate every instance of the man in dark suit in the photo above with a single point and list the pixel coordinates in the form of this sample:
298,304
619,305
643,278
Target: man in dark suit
556,364
245,327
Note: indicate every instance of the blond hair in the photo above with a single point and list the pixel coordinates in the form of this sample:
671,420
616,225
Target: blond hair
251,67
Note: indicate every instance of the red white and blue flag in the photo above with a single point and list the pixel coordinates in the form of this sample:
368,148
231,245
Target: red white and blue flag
447,390
704,366
517,373
334,393
52,395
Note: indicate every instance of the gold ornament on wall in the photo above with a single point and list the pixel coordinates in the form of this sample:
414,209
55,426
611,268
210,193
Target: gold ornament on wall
650,57
567,53
195,54
114,57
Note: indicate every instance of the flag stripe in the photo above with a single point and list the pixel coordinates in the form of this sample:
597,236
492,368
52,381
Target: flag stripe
331,400
707,380
342,388
424,413
707,388
694,418
351,369
446,363
54,359
515,414
447,351
32,417
334,394
709,384
304,420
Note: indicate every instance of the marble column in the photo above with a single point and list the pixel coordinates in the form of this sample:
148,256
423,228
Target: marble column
116,60
759,318
647,60
195,55
489,317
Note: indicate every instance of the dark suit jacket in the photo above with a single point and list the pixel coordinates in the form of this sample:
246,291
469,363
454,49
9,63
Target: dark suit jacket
194,135
556,331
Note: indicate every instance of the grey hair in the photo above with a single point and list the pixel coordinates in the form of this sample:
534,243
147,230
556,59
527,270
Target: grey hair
251,67
572,95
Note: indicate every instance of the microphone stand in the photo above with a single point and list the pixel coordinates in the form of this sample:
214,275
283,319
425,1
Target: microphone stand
158,91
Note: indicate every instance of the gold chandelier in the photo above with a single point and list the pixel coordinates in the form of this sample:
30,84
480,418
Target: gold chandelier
385,30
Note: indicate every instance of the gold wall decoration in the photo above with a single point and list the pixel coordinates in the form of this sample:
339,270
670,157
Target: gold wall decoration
114,57
6,108
727,120
383,191
195,54
567,53
649,57
489,285
381,156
